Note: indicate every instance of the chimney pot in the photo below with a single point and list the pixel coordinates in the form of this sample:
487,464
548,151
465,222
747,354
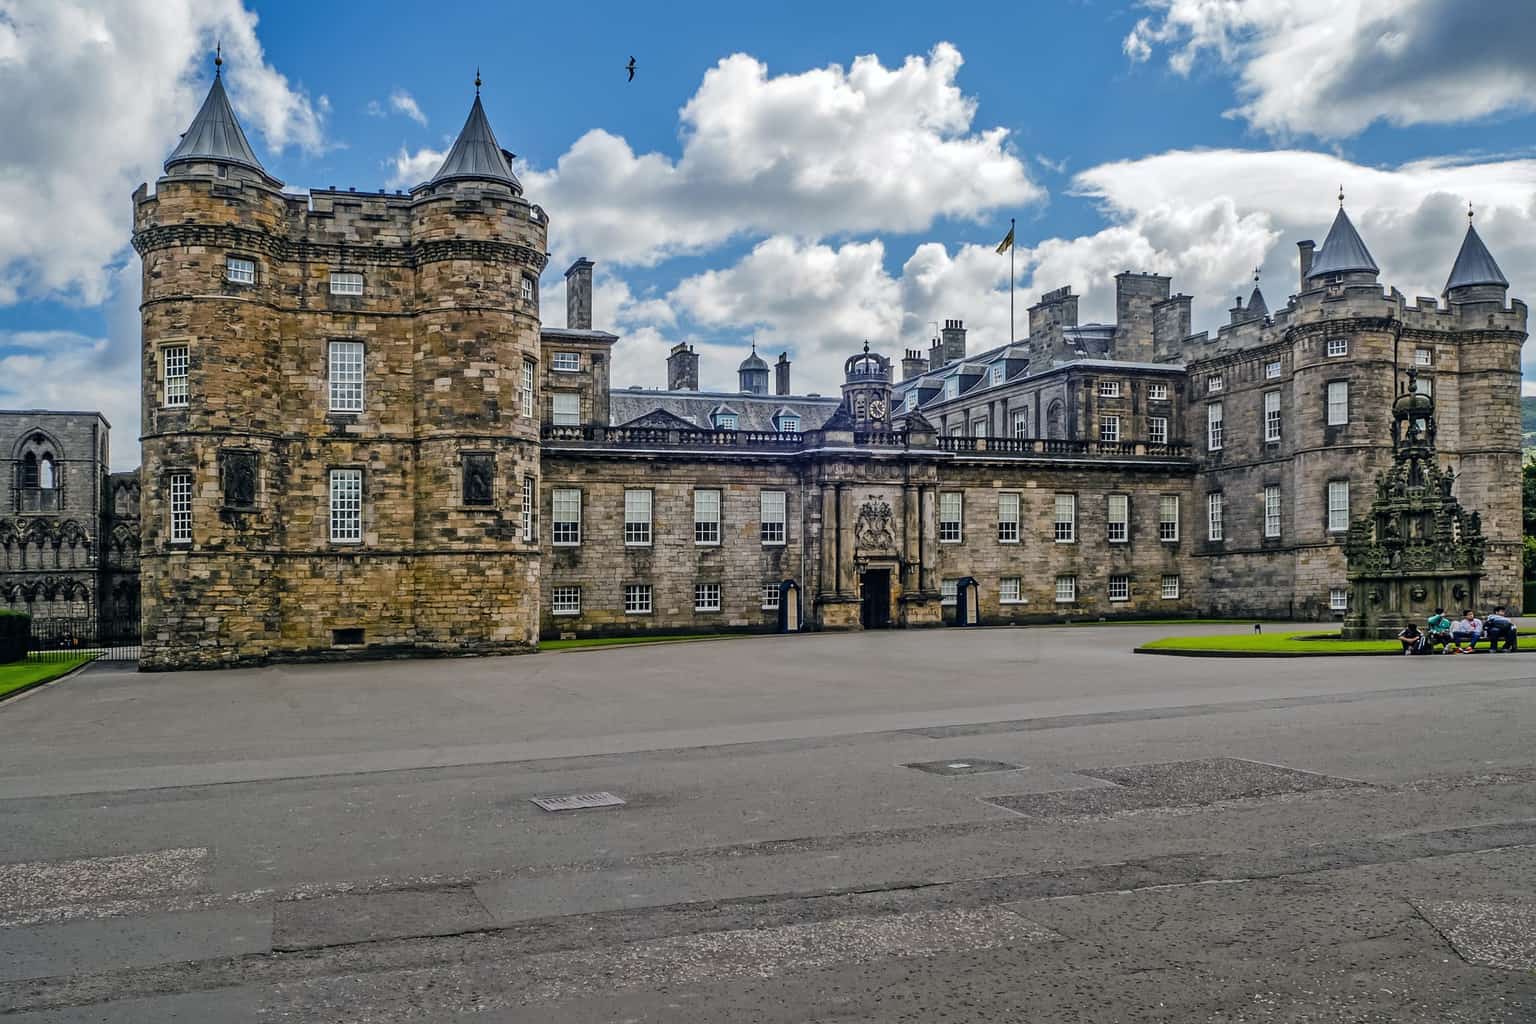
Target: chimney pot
578,295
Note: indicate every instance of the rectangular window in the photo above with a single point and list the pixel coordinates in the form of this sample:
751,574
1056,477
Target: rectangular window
1066,589
181,507
637,599
1338,403
175,359
725,421
346,376
1157,429
979,427
1338,599
789,424
951,508
1213,427
527,389
1066,518
530,507
1021,424
1271,416
1118,518
637,518
239,271
912,399
772,506
995,374
1272,370
1423,356
1109,389
527,288
1214,382
1157,392
1272,511
566,362
1338,346
706,597
949,591
1170,587
565,600
1338,506
346,506
1168,517
346,284
567,408
952,387
1010,590
565,509
1008,517
1109,428
771,596
1119,588
706,517
1214,523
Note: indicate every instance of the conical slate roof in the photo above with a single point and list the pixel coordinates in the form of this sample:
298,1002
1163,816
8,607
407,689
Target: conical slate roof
1256,304
475,156
753,362
215,136
1474,264
1343,252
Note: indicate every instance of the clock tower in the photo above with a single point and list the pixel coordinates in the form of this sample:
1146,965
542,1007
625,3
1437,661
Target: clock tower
867,390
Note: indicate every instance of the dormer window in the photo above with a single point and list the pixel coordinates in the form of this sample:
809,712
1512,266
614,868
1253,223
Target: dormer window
788,423
725,421
239,270
911,403
952,387
995,375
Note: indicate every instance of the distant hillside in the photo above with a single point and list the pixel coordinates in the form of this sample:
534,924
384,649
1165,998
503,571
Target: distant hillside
1528,425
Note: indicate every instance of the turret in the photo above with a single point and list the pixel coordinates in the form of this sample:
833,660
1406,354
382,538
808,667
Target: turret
1476,276
867,389
1343,259
753,374
215,143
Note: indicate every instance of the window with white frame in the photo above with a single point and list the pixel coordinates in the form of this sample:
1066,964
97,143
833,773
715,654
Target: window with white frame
979,427
1109,389
567,408
566,362
530,509
1423,356
1170,586
1157,429
637,599
1021,424
1109,428
725,421
174,359
949,591
1214,526
527,389
1010,590
1008,517
771,596
1271,416
565,600
565,515
1117,518
789,424
637,518
1157,392
181,508
1272,370
1066,519
706,597
346,376
1338,599
238,270
1338,402
527,288
706,517
1066,589
1213,427
911,402
1338,506
345,283
1119,588
1338,347
1214,382
995,374
952,387
957,430
951,509
1272,510
1168,517
346,506
771,504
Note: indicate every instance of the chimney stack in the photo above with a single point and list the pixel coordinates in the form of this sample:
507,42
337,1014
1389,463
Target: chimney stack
781,375
1306,260
682,368
954,341
913,364
578,295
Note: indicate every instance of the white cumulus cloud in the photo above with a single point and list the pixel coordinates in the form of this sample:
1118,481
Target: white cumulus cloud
402,102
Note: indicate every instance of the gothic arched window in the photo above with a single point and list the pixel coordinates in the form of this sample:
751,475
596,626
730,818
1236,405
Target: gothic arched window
29,470
45,474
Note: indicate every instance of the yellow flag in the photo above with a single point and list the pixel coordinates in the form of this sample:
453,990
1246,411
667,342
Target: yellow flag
1007,242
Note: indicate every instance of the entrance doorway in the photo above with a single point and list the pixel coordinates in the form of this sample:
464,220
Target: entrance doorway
875,587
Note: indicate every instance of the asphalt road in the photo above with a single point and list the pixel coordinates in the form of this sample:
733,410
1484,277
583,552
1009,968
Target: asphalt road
991,825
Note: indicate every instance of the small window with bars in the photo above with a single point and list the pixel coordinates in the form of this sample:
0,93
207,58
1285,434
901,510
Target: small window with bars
1272,370
637,518
565,600
1215,382
706,597
1338,347
343,283
1157,392
1338,599
951,511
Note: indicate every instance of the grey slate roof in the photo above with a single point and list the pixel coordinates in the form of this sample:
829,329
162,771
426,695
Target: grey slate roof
475,156
215,135
1474,264
753,361
753,412
1257,307
1342,252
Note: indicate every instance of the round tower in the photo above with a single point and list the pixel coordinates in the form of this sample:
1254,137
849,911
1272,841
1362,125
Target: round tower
753,374
867,390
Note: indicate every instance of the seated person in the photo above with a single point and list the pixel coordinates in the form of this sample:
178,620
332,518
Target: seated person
1439,631
1411,639
1466,633
1500,627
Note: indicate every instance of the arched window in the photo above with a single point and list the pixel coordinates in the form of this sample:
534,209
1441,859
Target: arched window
45,475
1053,421
29,470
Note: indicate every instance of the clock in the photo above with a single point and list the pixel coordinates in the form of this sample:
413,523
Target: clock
877,408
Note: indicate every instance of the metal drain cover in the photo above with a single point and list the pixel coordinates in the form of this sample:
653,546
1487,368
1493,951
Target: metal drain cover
578,801
963,766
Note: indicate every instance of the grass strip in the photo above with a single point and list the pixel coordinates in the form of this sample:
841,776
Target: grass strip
23,675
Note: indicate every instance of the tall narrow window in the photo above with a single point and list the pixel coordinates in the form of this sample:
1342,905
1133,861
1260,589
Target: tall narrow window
1272,511
951,512
979,427
949,590
637,518
1118,518
995,375
527,388
1109,428
181,508
346,283
1213,427
1021,424
346,359
706,517
346,506
1157,429
1338,506
1168,517
1214,525
1338,402
772,506
952,387
238,270
771,596
530,509
565,513
567,408
1338,599
1271,415
1008,517
527,288
1066,518
174,358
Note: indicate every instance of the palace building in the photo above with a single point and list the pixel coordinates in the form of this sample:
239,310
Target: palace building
361,438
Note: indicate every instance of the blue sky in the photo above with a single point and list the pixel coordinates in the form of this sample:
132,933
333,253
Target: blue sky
806,174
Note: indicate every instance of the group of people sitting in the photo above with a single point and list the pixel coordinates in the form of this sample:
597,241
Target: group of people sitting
1461,635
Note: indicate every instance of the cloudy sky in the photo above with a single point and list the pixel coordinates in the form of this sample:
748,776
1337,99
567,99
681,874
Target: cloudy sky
809,175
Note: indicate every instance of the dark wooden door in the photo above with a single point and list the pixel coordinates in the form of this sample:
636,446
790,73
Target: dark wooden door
876,613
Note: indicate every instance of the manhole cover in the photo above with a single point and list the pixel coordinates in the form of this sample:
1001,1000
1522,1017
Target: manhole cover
578,801
963,766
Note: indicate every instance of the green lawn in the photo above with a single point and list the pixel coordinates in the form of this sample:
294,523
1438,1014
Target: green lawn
20,675
618,641
1271,643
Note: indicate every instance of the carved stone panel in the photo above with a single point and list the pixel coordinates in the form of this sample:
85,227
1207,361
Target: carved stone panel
479,478
239,472
874,529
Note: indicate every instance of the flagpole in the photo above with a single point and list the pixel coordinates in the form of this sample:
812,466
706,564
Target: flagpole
1012,333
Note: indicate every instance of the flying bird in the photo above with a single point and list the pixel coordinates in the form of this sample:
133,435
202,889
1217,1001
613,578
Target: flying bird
630,67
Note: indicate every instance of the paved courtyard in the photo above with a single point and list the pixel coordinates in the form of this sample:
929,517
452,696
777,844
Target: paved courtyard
987,825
